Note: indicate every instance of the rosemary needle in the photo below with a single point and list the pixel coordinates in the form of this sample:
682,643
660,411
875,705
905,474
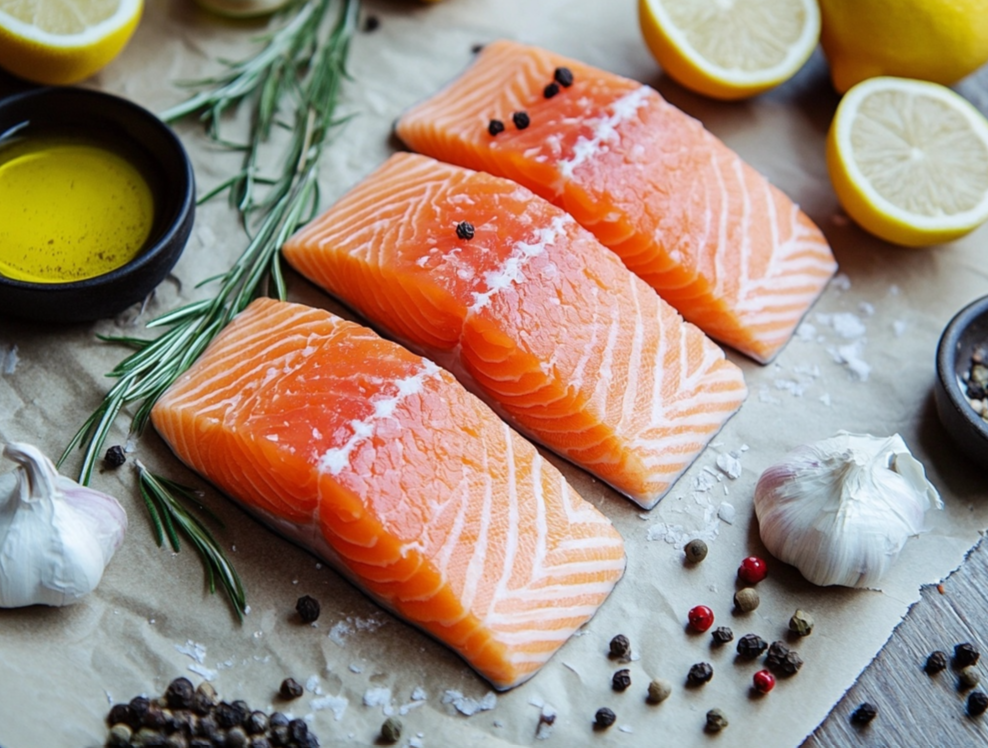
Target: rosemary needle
298,74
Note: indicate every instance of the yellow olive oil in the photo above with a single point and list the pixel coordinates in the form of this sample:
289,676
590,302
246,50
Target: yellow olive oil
71,208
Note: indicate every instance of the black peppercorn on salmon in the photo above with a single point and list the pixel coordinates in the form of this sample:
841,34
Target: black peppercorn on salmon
531,313
731,252
382,464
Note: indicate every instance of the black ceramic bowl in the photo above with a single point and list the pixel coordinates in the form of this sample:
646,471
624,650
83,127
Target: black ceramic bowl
163,163
966,332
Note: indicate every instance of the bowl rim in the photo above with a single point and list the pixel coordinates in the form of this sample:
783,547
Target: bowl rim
947,352
171,231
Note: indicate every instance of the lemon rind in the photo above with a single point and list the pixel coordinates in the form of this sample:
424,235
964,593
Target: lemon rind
92,35
946,224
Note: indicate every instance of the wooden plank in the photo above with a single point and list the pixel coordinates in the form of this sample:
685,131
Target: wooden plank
915,709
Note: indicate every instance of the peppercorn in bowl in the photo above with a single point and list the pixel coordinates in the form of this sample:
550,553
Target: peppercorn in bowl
961,388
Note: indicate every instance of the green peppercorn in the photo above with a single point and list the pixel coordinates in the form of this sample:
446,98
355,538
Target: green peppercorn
746,599
695,550
148,737
658,691
716,720
801,623
936,662
204,699
120,735
967,679
391,730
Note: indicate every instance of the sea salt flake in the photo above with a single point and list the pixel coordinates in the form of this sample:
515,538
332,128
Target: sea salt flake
899,327
468,706
312,684
193,649
355,668
419,694
340,631
726,512
825,399
379,697
730,465
625,728
337,704
866,309
204,671
765,396
841,282
8,359
806,332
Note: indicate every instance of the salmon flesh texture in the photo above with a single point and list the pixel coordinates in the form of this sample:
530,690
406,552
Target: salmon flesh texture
531,312
731,252
380,463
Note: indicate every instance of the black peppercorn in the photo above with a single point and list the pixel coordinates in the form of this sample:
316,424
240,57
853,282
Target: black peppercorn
722,635
776,659
179,721
236,738
260,743
279,735
148,737
604,718
114,457
521,120
977,703
120,735
464,230
621,680
139,706
121,714
371,24
699,674
564,77
965,655
243,711
200,743
179,693
751,646
204,699
226,715
620,646
864,714
307,609
716,721
936,662
206,727
297,729
153,718
309,741
550,90
495,127
256,723
290,689
277,719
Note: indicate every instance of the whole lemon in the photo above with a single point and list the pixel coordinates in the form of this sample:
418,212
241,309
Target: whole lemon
933,40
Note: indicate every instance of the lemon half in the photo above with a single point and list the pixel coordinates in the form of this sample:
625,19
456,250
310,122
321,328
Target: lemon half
730,49
58,42
909,161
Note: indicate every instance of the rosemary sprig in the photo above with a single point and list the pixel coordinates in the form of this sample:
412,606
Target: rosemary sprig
300,69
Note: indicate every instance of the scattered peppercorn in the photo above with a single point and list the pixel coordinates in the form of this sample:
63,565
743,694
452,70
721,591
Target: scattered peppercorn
783,660
120,735
114,457
391,730
699,674
763,681
977,703
716,720
801,623
495,127
751,646
604,718
256,723
621,680
120,714
371,23
777,652
695,550
563,76
179,693
936,662
290,689
967,679
521,120
752,570
700,618
746,599
659,690
722,635
864,714
307,608
464,230
550,90
620,646
965,655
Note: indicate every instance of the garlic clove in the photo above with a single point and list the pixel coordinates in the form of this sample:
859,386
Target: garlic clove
56,537
841,509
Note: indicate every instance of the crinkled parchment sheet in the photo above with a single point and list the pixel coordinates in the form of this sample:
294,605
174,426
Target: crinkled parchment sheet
152,619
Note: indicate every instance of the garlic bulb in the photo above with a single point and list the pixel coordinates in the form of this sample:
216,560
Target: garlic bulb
841,509
56,536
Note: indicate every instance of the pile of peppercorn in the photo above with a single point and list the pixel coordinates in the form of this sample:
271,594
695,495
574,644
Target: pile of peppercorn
188,717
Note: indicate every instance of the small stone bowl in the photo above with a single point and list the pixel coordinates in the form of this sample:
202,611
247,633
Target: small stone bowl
165,165
967,331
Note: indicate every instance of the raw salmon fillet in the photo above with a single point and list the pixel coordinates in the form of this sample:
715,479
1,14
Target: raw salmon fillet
382,464
531,312
732,253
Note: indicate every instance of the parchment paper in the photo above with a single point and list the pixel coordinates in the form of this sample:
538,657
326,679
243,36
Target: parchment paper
152,619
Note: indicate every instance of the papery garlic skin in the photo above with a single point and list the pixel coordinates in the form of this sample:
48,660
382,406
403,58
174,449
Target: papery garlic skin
841,509
56,537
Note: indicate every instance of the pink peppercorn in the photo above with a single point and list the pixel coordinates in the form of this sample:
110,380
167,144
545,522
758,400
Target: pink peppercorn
764,681
752,570
701,618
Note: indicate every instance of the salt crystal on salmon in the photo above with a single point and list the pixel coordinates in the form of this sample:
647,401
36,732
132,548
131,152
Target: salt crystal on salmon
383,465
731,252
531,313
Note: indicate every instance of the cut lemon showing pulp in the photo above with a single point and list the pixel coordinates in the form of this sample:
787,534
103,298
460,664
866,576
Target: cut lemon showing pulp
730,49
58,42
909,161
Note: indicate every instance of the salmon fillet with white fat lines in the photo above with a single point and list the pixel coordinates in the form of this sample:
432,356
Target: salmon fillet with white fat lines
531,313
731,252
379,462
